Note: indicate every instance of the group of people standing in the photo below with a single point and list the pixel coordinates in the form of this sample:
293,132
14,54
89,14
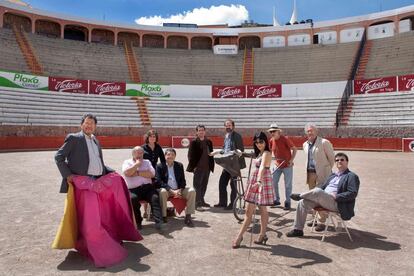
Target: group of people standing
154,176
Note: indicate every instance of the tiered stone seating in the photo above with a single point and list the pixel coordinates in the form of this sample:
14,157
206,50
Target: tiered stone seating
26,107
11,58
69,58
391,56
382,110
248,113
303,64
200,67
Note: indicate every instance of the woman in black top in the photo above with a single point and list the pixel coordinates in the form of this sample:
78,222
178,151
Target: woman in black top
152,150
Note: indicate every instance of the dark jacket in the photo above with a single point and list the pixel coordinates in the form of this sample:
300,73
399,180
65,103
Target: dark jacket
161,175
194,154
73,158
347,191
153,155
237,143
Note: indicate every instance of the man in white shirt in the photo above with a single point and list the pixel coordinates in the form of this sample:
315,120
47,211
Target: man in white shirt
138,173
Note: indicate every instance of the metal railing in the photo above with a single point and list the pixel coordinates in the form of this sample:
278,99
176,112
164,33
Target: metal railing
340,112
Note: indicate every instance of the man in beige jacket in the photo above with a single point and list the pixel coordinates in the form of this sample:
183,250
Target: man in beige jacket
320,157
320,160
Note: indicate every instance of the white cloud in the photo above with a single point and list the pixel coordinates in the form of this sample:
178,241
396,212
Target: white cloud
232,15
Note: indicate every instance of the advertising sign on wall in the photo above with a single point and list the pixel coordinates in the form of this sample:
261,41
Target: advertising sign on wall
147,90
406,83
21,80
68,85
264,91
107,88
408,144
221,91
378,85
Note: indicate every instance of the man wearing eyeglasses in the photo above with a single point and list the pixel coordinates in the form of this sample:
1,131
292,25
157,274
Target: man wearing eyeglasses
337,194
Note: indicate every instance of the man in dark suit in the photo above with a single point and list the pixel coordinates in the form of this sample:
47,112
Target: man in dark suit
170,176
338,194
81,154
232,141
200,163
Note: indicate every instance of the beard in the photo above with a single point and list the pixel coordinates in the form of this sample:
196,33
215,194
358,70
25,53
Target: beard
228,129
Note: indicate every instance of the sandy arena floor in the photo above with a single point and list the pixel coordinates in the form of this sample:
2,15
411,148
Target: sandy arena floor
382,229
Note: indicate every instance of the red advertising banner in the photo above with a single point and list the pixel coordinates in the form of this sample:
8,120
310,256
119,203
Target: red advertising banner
378,85
408,144
107,88
68,85
264,91
406,83
221,91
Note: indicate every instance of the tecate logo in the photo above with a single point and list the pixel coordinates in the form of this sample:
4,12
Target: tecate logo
228,91
374,85
263,91
68,85
107,87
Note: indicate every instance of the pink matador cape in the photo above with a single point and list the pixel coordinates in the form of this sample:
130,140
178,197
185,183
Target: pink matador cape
97,217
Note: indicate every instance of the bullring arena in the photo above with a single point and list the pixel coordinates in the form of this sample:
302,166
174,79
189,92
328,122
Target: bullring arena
353,77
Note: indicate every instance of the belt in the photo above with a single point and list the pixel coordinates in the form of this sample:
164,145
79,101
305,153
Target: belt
311,171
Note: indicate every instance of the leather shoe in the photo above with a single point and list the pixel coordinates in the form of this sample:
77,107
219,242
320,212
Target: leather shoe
320,227
229,207
295,197
219,205
205,204
294,233
287,207
188,221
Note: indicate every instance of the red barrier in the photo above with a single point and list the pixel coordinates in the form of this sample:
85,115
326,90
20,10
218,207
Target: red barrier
36,143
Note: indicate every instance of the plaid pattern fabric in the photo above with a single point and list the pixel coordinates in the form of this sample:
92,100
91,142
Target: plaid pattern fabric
263,194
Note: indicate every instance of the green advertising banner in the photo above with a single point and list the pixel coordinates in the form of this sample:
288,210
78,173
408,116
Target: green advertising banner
147,90
21,80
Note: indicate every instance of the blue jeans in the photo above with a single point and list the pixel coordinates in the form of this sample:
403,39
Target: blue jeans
288,176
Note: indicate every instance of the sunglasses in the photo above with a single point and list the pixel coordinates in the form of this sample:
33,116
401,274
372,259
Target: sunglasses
340,159
259,142
272,131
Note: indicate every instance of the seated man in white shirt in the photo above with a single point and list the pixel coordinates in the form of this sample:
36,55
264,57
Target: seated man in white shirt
170,176
138,173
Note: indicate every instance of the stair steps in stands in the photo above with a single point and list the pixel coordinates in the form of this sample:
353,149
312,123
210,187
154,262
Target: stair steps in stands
27,50
364,60
143,110
132,62
347,112
248,67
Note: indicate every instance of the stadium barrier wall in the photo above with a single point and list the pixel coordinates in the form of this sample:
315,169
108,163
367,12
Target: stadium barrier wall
17,143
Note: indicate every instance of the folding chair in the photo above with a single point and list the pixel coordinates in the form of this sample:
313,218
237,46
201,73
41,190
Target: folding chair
331,215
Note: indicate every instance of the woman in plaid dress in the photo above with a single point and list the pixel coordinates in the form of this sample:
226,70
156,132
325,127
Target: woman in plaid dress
259,190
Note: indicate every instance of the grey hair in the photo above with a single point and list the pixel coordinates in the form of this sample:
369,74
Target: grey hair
310,125
137,148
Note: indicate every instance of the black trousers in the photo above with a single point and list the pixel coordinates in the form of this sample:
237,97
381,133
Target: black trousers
200,181
148,193
223,182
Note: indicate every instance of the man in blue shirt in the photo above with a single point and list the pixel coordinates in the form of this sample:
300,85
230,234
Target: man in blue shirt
337,194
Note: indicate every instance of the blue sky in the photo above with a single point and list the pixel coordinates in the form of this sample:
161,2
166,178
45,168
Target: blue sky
128,11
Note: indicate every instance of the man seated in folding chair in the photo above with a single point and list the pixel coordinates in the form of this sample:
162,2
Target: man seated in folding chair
137,174
170,176
337,195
